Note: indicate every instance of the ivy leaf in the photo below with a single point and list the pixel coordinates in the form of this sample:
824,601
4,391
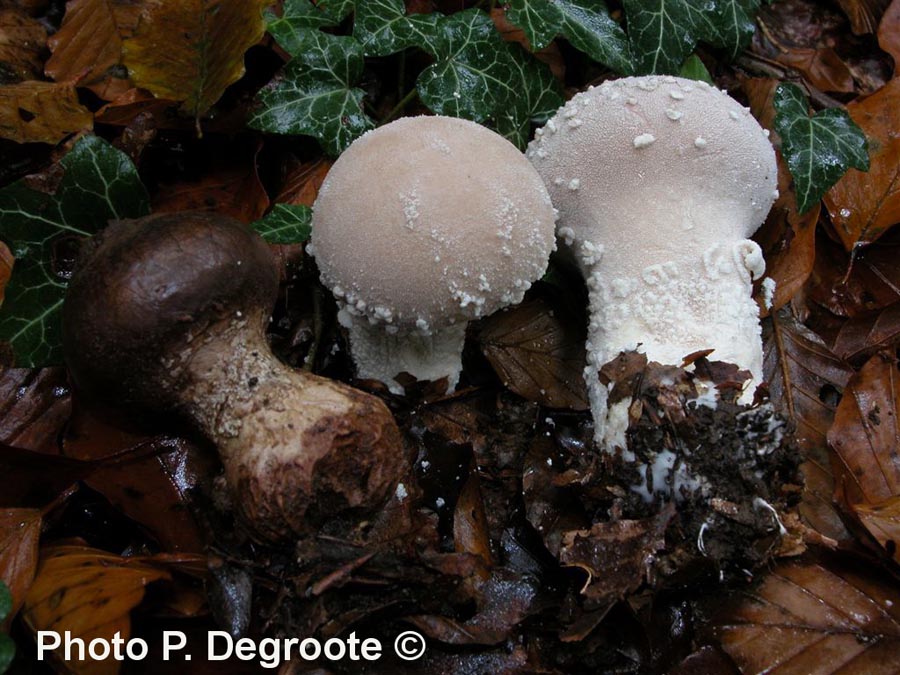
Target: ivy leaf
818,149
383,27
314,95
5,601
664,32
480,77
299,16
285,224
98,183
693,69
7,652
584,23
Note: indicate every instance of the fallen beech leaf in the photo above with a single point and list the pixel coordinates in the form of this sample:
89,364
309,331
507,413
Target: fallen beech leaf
864,15
41,112
191,50
805,381
889,33
21,41
302,182
39,478
90,593
861,337
822,67
470,527
761,96
882,520
6,265
20,531
866,434
88,45
808,618
863,205
35,405
122,110
538,352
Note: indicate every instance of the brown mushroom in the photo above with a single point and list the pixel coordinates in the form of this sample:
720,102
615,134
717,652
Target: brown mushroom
167,314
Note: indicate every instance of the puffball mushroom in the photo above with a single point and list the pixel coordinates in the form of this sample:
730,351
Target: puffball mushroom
659,182
168,313
420,226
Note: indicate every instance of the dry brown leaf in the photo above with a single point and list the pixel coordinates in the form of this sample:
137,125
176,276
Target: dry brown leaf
236,192
864,15
866,435
35,405
470,527
134,102
861,337
889,33
90,593
41,112
302,182
882,520
6,265
88,45
822,67
760,95
191,50
864,205
20,532
807,618
805,381
21,42
538,353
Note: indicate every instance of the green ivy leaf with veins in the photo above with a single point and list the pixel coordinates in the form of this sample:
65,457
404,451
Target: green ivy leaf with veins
664,32
818,150
314,95
480,77
285,224
98,183
584,23
383,27
299,16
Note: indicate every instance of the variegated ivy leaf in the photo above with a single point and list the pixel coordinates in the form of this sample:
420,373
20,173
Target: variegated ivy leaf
480,77
314,95
285,224
41,219
818,149
664,32
584,23
383,27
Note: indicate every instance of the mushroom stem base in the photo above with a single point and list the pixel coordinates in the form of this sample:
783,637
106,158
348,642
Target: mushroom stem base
381,356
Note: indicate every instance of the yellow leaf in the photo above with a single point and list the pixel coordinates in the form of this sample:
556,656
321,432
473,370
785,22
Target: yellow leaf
89,593
41,112
191,50
89,45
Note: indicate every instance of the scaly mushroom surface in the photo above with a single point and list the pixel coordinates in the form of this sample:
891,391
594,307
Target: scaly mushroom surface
420,226
168,314
659,182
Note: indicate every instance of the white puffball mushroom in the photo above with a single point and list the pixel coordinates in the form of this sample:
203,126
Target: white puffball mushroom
420,226
673,177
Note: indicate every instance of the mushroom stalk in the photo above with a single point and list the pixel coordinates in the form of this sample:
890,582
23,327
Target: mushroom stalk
659,182
168,314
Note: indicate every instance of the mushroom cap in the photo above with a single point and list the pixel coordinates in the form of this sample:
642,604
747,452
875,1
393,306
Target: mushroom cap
152,288
427,221
650,166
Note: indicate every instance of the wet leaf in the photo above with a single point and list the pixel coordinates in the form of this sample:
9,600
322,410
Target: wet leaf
37,216
586,24
41,112
866,434
810,618
478,76
20,532
818,149
315,93
861,337
663,33
470,527
864,15
863,206
538,353
882,520
805,382
21,42
299,15
90,593
88,45
302,182
36,404
134,102
39,478
285,224
889,33
191,50
383,27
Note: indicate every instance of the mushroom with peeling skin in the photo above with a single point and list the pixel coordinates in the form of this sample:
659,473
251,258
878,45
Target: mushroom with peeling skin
420,226
659,182
168,314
